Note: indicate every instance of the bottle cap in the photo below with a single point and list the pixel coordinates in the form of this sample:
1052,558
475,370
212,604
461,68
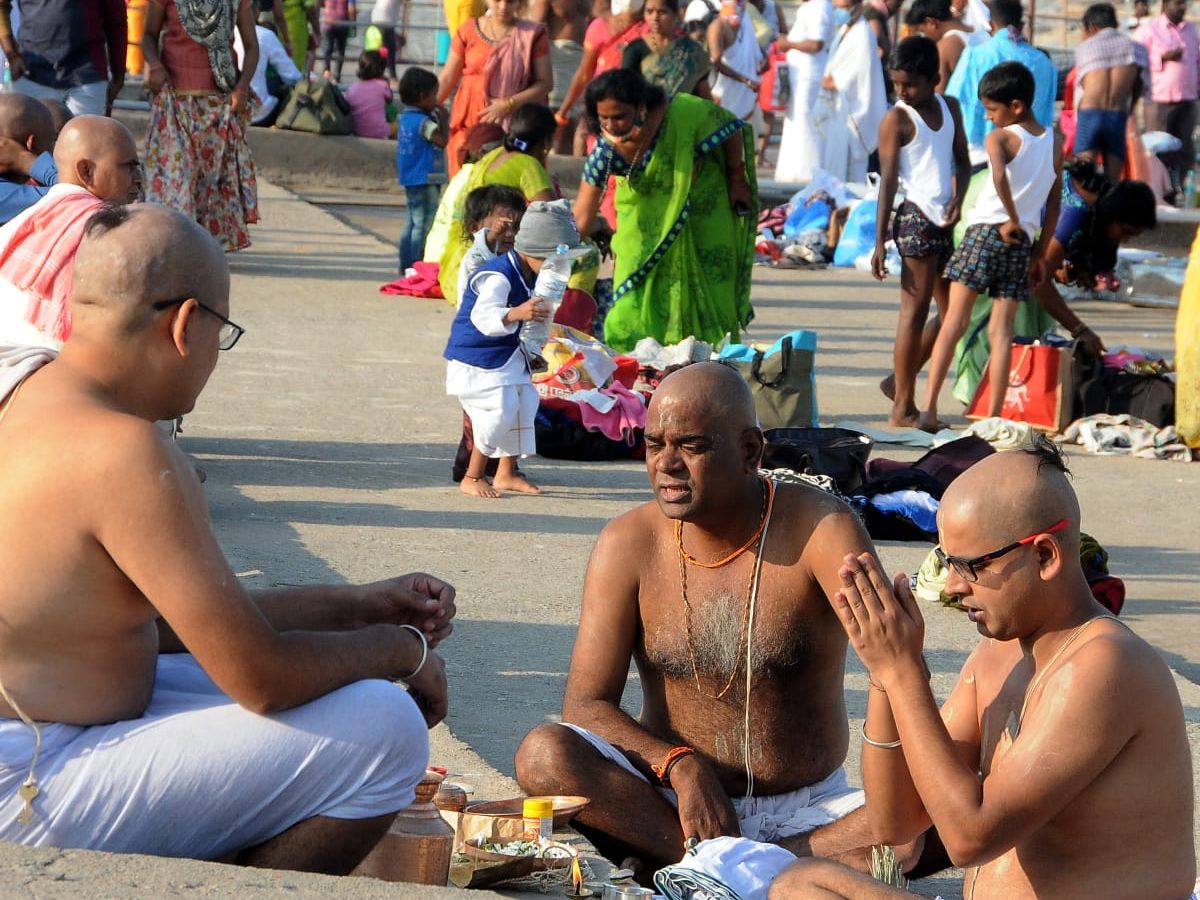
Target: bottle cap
537,808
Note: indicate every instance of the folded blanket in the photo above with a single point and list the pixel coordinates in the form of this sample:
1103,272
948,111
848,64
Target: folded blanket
724,868
422,283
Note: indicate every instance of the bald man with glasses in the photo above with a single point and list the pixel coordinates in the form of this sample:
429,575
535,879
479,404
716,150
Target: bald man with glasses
1059,765
150,704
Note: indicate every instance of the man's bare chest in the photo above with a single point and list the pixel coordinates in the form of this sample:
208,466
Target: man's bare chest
710,622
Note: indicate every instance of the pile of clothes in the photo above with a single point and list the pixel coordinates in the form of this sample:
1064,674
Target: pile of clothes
593,402
827,222
804,230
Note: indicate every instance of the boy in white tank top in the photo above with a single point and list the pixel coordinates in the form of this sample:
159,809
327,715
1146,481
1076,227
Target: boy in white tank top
997,253
923,150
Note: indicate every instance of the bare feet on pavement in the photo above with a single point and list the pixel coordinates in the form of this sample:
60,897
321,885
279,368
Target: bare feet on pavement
478,487
516,482
887,387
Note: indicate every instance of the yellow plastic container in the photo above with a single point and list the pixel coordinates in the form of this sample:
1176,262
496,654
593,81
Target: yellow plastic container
538,816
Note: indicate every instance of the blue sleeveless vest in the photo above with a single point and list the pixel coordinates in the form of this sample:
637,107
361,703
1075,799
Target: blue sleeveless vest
467,344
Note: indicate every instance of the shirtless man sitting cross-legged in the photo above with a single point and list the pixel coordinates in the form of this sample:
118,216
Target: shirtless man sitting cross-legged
278,738
723,574
1059,765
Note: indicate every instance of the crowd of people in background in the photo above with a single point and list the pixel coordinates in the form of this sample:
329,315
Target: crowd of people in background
649,89
734,51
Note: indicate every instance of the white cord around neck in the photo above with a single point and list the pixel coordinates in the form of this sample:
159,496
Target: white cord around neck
758,559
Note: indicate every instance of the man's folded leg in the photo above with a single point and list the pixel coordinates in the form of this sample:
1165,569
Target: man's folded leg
198,776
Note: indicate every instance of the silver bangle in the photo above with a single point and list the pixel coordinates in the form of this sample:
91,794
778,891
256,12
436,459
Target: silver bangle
424,653
882,745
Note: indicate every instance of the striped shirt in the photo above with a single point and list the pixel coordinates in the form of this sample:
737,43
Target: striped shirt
1106,49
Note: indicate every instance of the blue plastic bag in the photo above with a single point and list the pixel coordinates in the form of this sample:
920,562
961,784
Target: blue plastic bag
805,218
858,237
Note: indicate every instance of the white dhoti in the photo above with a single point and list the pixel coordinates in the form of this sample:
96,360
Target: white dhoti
198,776
860,103
502,418
800,145
764,818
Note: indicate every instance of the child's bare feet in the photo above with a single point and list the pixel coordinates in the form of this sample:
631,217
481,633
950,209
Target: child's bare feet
887,387
515,482
478,487
931,425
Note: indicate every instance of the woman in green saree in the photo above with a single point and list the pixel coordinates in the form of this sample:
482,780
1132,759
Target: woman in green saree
686,204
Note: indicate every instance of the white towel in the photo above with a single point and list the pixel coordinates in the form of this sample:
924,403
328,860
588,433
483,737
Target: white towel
724,868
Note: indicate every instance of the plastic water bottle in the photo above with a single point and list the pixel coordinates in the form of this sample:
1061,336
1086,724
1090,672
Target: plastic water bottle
549,288
1189,190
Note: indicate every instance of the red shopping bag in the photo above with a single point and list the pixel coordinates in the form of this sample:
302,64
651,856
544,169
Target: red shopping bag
1039,388
775,88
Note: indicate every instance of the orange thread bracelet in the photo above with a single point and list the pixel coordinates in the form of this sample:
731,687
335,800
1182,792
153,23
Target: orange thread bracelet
663,772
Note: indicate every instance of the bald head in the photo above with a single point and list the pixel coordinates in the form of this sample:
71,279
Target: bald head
1012,494
132,256
703,446
710,389
26,121
60,113
99,154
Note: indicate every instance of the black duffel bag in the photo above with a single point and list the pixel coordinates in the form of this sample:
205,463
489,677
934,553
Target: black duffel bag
1115,391
837,452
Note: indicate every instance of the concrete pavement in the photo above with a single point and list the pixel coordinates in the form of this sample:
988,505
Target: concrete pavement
327,437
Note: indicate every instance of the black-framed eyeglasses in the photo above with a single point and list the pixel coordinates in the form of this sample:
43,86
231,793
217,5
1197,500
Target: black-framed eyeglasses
966,567
230,331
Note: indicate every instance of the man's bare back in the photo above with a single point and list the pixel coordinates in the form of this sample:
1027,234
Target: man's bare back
565,20
81,642
1136,792
1110,89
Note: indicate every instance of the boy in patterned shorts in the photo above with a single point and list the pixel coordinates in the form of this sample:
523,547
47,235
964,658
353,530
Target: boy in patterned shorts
997,253
922,150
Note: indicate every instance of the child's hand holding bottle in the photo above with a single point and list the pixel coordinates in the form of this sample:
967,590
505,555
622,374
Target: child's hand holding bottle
531,310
